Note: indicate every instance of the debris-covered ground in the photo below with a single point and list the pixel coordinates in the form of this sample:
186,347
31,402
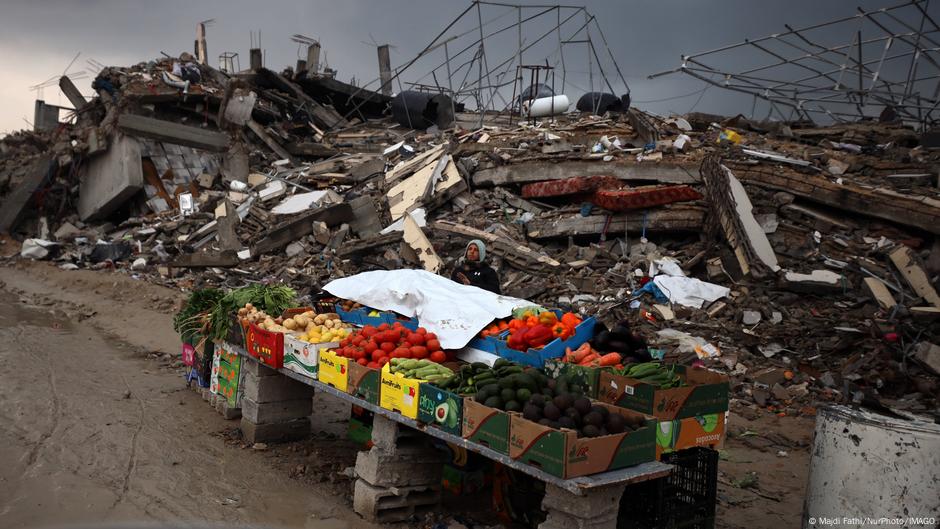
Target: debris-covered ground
802,260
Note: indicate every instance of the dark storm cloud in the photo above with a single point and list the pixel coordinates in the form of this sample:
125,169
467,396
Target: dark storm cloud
39,38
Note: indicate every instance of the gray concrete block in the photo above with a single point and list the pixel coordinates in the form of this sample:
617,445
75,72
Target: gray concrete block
384,505
274,389
275,433
405,468
559,520
110,179
389,435
272,412
230,412
594,503
255,368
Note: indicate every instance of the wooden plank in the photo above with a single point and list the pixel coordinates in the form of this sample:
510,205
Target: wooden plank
499,245
324,117
905,261
369,243
272,144
225,258
908,210
880,293
314,150
302,225
413,164
675,217
175,133
12,209
540,171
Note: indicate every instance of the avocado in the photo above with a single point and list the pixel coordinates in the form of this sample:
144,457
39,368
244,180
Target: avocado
583,405
532,412
594,419
513,405
494,402
591,431
567,422
507,395
441,412
601,409
615,423
575,388
523,395
573,414
563,401
548,392
551,383
551,411
538,399
545,421
507,382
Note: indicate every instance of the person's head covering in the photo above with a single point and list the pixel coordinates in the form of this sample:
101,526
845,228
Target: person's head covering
480,246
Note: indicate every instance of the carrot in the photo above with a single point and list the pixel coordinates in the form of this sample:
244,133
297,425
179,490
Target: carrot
582,352
586,361
610,359
569,355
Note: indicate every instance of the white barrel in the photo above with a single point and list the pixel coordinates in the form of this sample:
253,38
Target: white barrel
871,470
545,106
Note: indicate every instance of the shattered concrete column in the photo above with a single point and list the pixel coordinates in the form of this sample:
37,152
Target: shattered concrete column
275,408
313,57
385,70
400,476
596,509
255,59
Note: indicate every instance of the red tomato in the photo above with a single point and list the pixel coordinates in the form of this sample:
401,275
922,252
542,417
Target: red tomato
416,339
419,351
368,331
378,353
383,327
344,342
370,346
401,352
358,339
397,325
383,360
388,347
362,361
430,336
438,356
373,365
421,330
433,345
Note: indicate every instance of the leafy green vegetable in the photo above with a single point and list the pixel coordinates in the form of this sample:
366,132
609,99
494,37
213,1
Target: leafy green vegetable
271,299
189,320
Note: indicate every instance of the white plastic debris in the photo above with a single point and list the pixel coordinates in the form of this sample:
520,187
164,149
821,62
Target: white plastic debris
36,248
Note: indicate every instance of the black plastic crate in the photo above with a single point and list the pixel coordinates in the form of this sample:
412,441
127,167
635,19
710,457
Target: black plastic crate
685,499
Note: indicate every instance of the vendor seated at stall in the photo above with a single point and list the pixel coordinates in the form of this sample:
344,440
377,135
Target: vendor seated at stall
471,269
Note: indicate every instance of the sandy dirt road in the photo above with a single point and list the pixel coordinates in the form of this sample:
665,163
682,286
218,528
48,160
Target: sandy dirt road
96,425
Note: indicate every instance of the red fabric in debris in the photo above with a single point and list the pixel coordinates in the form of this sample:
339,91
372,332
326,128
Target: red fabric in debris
643,197
570,186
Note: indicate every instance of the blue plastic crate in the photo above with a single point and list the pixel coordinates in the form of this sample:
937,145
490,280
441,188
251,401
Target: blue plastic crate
385,317
353,316
537,357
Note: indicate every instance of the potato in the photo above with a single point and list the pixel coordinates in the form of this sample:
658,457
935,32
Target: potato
318,319
289,323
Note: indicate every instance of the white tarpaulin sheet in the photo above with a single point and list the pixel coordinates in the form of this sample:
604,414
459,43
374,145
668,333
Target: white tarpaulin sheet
688,291
453,311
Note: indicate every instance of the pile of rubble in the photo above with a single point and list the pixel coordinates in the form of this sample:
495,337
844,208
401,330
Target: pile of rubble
801,259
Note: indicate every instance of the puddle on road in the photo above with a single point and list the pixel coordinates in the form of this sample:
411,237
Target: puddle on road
14,314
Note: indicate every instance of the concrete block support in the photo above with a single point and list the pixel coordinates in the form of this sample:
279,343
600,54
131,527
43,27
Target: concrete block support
110,179
274,389
274,408
400,476
385,505
596,509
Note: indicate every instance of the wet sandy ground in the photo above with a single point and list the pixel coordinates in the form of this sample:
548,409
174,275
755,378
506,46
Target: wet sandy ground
96,426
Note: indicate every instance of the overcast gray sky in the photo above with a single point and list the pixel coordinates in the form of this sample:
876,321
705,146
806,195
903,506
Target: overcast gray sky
38,38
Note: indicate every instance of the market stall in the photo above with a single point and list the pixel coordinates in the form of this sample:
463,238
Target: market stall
538,390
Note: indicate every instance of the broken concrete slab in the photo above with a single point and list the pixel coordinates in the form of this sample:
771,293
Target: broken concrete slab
110,179
915,276
170,132
880,293
418,241
928,354
539,171
676,217
816,282
16,204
